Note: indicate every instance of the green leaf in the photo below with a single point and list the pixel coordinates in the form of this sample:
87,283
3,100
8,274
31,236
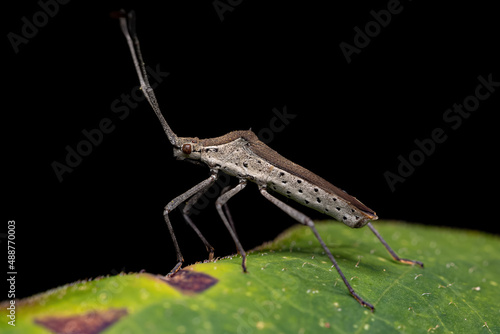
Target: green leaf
291,287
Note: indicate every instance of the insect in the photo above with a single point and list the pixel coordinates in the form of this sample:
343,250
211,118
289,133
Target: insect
242,155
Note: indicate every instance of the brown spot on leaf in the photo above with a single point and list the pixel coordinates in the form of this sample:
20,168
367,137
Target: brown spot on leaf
190,282
90,323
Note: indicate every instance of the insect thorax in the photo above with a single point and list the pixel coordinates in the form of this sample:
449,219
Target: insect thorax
236,159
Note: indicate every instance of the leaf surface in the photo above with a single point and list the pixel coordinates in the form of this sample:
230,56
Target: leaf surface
291,287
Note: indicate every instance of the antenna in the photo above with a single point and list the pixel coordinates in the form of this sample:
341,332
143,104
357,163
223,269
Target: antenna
127,24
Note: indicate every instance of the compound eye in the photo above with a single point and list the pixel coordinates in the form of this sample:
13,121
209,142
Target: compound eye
186,148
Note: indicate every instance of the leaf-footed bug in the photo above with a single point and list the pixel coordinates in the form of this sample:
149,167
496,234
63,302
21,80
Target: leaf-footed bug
242,155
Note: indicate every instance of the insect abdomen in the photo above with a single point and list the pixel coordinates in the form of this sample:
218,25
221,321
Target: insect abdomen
316,198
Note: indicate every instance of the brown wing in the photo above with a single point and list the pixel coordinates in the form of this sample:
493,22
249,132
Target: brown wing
277,160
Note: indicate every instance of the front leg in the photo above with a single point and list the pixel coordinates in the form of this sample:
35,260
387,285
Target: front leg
173,204
186,212
220,203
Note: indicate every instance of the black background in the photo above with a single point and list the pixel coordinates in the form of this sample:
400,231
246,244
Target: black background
352,122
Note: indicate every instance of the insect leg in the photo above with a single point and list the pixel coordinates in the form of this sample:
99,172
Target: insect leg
221,201
173,204
303,219
226,210
186,211
393,254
